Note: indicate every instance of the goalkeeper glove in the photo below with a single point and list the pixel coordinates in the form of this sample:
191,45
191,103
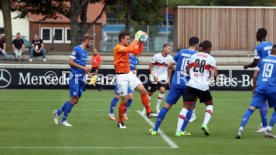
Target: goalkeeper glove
138,35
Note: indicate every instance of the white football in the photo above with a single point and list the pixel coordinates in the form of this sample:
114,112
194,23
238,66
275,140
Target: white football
144,37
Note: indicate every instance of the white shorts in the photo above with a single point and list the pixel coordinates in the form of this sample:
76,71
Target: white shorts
125,81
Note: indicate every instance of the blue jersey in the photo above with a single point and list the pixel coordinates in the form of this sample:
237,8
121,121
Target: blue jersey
80,56
133,60
263,50
266,81
181,59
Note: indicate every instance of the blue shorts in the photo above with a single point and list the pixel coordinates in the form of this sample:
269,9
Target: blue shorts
76,87
129,91
174,94
259,99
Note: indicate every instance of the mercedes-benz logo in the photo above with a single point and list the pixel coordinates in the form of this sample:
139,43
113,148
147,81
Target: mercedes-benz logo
5,78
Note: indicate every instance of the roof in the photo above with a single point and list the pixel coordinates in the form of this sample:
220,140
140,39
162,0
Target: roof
93,11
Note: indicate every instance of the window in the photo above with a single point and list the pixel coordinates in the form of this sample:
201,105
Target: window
58,35
67,35
46,34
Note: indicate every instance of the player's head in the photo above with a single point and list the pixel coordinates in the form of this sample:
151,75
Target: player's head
200,47
88,41
273,51
167,49
18,35
95,51
261,34
124,38
36,36
206,46
193,41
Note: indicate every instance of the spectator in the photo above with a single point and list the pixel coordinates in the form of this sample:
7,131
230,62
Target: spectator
3,47
18,45
37,48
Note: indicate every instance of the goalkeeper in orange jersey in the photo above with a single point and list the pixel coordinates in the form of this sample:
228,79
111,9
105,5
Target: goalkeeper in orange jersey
125,78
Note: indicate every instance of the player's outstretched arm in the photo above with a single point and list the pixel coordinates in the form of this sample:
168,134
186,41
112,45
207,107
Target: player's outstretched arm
72,63
252,64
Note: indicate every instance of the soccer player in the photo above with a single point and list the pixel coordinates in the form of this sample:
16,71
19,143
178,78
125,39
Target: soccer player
158,68
200,67
264,84
262,50
133,60
77,61
125,78
178,83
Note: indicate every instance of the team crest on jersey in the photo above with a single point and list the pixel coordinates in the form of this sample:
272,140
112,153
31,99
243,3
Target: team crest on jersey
73,52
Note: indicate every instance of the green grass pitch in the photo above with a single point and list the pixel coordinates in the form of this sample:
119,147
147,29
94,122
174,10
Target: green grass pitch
27,128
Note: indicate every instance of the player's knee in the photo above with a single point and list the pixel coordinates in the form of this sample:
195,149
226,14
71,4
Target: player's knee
168,106
252,108
124,99
162,90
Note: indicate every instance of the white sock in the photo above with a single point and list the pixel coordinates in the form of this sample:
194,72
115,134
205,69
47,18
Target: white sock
149,97
159,101
208,114
181,118
241,128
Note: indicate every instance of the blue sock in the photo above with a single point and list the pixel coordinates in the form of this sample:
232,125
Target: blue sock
188,117
129,101
160,118
113,105
273,119
67,110
61,110
263,113
246,117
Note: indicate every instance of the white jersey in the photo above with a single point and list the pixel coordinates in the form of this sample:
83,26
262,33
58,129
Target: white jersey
201,65
160,66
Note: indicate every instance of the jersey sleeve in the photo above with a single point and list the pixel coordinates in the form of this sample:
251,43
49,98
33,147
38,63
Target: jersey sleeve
153,59
257,54
74,54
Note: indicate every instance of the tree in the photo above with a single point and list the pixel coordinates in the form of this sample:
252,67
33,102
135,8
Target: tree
72,9
5,7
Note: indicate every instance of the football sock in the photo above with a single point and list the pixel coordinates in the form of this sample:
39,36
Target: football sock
113,105
146,103
263,113
122,109
181,118
129,101
189,115
160,118
208,114
272,121
61,110
67,110
246,117
159,101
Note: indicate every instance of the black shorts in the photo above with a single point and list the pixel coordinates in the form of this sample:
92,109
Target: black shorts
192,94
93,70
153,87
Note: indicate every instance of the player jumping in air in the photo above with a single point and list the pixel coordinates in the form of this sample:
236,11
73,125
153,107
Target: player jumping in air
200,67
125,78
78,68
262,50
133,60
264,84
178,83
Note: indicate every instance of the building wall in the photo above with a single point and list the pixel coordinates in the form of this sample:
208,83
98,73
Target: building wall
229,28
35,28
18,25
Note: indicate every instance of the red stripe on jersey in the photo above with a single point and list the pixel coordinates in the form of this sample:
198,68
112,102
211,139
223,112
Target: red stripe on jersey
191,65
208,67
159,64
